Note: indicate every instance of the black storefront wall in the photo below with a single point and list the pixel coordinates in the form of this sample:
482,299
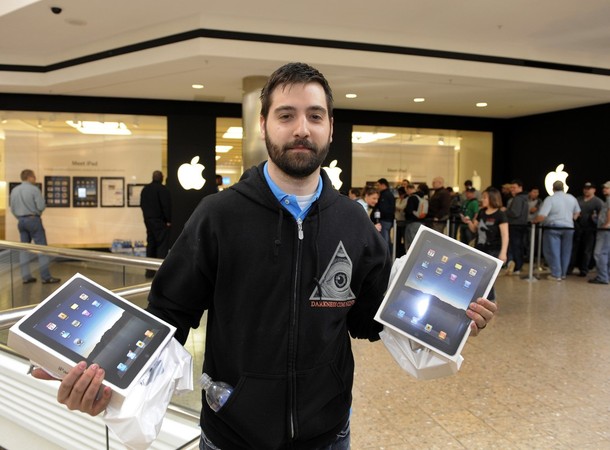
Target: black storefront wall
189,136
535,145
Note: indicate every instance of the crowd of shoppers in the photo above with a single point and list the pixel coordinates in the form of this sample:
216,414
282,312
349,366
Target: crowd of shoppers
574,241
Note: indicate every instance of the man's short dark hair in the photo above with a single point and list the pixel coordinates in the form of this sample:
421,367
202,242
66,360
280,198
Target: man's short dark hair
157,176
518,182
468,183
383,181
26,173
294,73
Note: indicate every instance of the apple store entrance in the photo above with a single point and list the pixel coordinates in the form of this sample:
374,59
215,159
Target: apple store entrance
90,169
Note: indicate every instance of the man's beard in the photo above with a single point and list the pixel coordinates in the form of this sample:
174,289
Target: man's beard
297,164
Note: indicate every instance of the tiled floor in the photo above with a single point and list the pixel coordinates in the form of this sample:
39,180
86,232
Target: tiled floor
537,378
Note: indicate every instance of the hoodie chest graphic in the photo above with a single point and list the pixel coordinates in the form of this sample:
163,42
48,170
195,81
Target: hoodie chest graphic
333,289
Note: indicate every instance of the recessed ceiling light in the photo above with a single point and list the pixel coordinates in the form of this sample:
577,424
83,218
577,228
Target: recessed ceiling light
419,100
197,86
481,105
223,148
351,95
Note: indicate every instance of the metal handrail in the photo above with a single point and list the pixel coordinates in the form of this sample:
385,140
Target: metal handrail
85,255
9,317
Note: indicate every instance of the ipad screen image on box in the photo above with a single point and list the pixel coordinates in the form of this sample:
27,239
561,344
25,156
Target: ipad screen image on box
433,291
87,325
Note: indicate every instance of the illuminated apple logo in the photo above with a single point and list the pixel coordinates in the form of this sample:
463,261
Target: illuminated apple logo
557,175
190,175
334,173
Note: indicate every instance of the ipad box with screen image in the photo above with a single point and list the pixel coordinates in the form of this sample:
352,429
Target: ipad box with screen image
427,300
82,321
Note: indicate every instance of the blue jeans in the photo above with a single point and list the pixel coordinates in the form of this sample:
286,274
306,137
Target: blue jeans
341,443
386,226
602,254
31,229
557,249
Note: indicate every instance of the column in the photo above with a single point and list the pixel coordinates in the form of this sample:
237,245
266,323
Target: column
254,150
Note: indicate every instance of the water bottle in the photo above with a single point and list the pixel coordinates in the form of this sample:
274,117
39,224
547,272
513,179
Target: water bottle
216,392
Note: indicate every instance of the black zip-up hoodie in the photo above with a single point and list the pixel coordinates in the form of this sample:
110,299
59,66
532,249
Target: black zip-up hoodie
281,298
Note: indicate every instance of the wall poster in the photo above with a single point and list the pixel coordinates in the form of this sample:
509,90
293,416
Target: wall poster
112,192
84,192
133,194
57,192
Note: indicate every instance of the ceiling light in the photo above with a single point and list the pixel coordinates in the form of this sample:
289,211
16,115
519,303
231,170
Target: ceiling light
419,100
366,137
481,105
351,95
92,127
234,133
223,148
217,157
441,140
197,86
4,120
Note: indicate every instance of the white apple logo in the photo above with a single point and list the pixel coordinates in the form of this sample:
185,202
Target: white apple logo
190,175
557,175
334,173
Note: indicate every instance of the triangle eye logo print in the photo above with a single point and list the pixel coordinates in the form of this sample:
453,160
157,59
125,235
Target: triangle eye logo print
334,289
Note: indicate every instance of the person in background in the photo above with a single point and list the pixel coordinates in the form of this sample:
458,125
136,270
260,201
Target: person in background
27,205
386,207
558,212
369,202
399,216
316,272
470,208
533,202
156,204
517,210
354,193
412,216
440,203
585,230
491,226
219,183
602,241
467,185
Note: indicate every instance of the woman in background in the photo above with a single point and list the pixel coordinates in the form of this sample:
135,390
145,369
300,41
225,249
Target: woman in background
369,202
491,224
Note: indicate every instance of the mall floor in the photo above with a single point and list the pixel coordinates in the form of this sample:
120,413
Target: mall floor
538,377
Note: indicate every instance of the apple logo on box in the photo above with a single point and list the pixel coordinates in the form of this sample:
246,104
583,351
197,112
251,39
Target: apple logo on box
334,173
557,175
190,174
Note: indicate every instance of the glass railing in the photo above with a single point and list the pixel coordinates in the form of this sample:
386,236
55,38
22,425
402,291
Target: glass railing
123,274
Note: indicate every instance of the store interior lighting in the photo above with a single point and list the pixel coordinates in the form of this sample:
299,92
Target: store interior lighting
93,127
366,137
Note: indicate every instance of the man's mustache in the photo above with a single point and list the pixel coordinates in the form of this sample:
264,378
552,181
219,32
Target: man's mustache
301,143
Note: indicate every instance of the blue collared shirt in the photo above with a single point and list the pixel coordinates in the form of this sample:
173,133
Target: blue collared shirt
290,201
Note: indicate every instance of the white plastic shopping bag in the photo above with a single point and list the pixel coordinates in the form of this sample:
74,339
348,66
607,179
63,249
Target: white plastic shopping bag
136,420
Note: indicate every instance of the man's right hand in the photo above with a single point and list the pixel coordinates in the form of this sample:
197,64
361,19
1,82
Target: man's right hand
81,389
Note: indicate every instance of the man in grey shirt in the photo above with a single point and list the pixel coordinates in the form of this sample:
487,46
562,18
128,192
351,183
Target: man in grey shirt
27,205
558,213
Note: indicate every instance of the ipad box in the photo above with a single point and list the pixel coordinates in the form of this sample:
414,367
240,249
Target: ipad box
427,299
83,321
